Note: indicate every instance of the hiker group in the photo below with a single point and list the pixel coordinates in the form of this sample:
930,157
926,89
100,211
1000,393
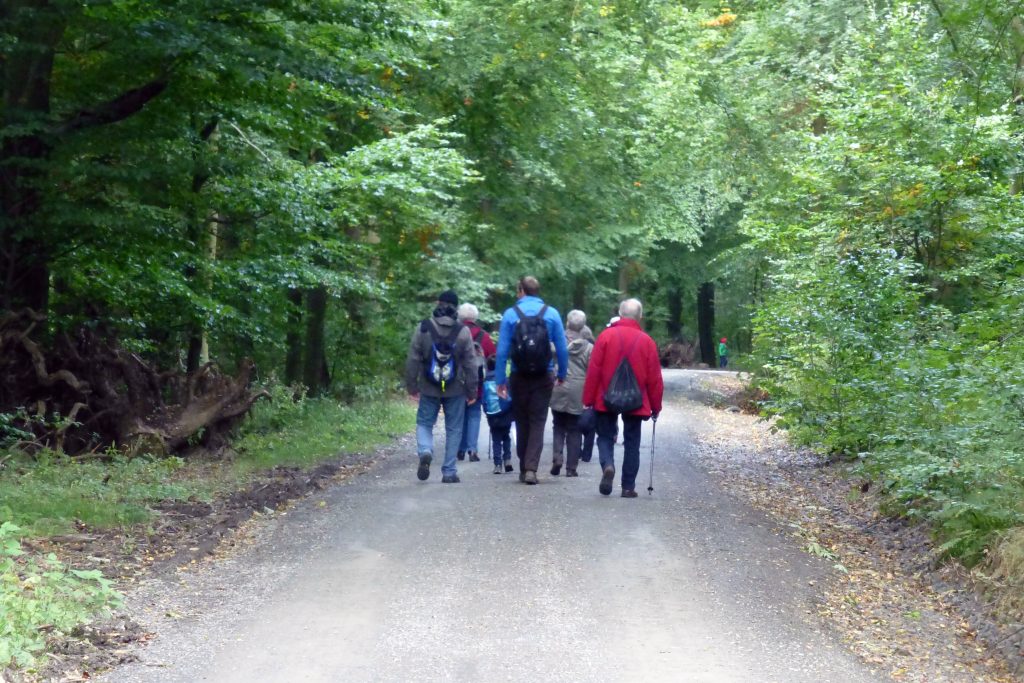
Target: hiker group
538,365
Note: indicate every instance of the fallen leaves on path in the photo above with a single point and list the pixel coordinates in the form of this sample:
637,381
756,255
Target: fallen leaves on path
882,599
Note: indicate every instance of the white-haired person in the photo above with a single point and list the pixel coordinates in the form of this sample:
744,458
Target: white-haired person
624,340
567,398
484,347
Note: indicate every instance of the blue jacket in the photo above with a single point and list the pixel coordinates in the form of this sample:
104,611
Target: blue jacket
531,305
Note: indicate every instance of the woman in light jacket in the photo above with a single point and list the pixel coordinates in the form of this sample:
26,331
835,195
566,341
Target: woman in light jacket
567,398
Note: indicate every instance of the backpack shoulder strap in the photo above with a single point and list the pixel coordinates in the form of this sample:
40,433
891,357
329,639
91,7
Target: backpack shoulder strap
542,311
519,312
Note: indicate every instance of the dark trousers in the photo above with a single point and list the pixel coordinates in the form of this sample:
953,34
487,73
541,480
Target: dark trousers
607,425
588,445
567,435
531,397
500,426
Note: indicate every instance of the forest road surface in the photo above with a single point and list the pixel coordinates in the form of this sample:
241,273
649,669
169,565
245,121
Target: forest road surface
386,578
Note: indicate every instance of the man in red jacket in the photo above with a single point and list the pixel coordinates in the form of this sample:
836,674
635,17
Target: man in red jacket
623,340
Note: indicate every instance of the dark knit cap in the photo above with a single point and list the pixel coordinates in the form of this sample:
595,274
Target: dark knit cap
449,297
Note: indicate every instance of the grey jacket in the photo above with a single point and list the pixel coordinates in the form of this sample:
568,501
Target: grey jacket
418,359
568,397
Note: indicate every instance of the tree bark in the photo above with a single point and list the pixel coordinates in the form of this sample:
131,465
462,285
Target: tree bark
706,322
315,373
27,72
579,294
293,338
674,324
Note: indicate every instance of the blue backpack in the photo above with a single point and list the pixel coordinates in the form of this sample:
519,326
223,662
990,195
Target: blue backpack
494,404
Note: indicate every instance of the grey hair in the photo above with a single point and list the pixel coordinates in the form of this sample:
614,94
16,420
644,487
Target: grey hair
631,308
576,320
468,312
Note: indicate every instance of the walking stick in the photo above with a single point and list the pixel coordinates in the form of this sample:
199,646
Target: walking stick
650,481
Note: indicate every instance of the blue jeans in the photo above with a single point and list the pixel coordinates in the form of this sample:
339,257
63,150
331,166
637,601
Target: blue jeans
471,428
723,361
426,417
607,425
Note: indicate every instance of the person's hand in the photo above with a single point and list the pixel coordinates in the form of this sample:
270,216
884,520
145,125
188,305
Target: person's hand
503,391
655,414
414,396
559,381
470,401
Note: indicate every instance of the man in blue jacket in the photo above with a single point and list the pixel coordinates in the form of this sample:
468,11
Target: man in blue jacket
528,331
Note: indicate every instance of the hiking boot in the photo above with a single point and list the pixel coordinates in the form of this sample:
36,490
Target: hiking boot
570,473
461,455
508,466
498,469
607,477
530,477
450,479
556,469
473,457
629,493
423,472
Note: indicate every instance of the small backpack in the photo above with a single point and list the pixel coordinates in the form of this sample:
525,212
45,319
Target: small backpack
479,360
531,348
494,404
441,367
623,394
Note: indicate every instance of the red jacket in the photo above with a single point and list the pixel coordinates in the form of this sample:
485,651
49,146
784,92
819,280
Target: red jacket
611,346
486,343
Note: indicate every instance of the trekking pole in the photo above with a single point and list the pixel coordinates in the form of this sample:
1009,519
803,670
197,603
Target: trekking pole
650,481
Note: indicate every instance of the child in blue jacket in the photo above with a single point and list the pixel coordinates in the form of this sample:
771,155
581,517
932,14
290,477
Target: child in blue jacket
499,421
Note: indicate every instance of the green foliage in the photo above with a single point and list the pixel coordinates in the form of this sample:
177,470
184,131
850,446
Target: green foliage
890,322
39,595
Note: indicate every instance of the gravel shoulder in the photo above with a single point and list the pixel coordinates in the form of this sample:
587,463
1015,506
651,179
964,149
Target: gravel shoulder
384,578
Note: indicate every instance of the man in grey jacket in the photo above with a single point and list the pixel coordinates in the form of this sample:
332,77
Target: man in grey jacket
440,371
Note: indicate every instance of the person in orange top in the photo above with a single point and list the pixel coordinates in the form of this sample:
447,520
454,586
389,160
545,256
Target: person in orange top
626,339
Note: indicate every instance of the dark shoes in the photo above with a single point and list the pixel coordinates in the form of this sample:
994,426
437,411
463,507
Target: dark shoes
570,473
450,479
473,457
508,466
530,477
423,472
607,477
629,493
556,469
461,455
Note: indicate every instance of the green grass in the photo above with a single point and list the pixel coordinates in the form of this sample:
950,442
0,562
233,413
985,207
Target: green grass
46,495
320,430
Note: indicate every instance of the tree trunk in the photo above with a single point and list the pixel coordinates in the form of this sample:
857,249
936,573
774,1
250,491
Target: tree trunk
315,373
293,338
674,324
579,294
706,322
27,71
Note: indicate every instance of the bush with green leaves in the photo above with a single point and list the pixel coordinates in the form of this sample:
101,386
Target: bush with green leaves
40,597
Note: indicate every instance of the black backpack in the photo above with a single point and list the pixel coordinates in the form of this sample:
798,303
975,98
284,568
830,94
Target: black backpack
531,348
441,367
623,394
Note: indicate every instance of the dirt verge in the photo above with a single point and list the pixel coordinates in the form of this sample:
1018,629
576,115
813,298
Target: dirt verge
891,598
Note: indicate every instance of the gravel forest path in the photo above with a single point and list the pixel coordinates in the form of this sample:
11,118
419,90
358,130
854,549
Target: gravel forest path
385,578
